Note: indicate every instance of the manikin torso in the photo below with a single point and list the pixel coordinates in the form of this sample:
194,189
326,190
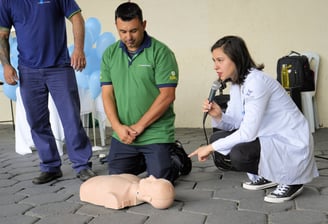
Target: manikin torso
125,190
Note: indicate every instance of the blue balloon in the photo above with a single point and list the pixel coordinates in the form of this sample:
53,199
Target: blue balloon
12,40
104,41
93,26
13,48
87,43
94,84
82,80
70,49
93,63
10,91
14,61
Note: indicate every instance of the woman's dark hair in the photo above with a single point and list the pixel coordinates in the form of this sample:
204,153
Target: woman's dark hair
128,11
235,48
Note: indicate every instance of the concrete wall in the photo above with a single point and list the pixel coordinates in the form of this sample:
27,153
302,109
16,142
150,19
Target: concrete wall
270,28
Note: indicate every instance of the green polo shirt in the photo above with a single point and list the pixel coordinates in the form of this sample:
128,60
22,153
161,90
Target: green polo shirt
136,83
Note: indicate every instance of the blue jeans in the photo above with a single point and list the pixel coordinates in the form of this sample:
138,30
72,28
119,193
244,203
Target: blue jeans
60,82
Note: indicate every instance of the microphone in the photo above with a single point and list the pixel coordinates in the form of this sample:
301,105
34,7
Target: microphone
217,84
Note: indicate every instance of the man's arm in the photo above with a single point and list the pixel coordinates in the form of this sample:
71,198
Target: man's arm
4,46
125,133
9,72
78,61
157,109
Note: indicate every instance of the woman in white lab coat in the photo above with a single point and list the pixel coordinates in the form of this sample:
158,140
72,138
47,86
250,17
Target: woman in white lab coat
262,132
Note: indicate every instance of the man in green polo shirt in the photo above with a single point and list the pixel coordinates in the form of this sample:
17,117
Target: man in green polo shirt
139,75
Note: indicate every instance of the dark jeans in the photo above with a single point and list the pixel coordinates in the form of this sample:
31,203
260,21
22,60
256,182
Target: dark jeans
244,156
60,82
156,159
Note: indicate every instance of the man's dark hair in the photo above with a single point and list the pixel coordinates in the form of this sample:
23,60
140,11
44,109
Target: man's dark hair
128,11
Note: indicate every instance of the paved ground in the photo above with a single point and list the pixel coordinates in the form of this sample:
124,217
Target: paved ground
206,196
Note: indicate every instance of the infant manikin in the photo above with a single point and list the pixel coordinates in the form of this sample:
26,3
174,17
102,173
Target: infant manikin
125,190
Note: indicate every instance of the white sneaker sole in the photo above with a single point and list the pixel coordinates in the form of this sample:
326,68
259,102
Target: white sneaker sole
248,186
274,199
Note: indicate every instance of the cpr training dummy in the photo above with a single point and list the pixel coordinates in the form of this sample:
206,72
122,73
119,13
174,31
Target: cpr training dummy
125,190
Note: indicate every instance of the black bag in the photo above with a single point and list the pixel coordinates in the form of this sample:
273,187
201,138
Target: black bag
300,74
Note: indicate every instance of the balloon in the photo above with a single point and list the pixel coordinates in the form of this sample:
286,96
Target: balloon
10,91
82,80
93,26
13,49
70,49
94,84
93,63
103,41
87,42
12,40
14,61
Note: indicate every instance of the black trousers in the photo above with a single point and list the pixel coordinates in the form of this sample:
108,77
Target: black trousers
244,156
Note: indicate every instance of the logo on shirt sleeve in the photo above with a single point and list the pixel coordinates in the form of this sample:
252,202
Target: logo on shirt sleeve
173,76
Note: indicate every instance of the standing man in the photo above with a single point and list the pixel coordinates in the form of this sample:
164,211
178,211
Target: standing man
139,75
45,67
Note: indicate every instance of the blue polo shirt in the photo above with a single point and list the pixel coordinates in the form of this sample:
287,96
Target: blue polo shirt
40,29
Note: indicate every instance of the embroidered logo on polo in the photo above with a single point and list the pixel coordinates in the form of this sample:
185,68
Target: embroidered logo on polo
173,75
41,2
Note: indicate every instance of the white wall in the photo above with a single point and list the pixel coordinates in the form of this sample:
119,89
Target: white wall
270,28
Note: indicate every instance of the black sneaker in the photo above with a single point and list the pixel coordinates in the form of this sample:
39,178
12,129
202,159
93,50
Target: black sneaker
283,193
85,174
259,184
46,177
184,162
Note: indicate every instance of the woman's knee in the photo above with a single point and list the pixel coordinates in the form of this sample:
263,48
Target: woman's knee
219,134
242,161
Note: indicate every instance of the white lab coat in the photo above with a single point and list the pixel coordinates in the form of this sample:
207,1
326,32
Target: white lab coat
262,108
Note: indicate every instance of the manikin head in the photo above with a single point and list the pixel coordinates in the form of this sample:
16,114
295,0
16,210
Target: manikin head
159,193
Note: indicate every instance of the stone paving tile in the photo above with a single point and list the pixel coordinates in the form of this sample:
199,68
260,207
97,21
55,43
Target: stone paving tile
118,218
298,217
233,194
230,217
13,209
94,210
312,202
10,199
53,209
259,205
209,206
205,196
38,189
7,183
192,195
65,219
19,219
42,199
176,217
